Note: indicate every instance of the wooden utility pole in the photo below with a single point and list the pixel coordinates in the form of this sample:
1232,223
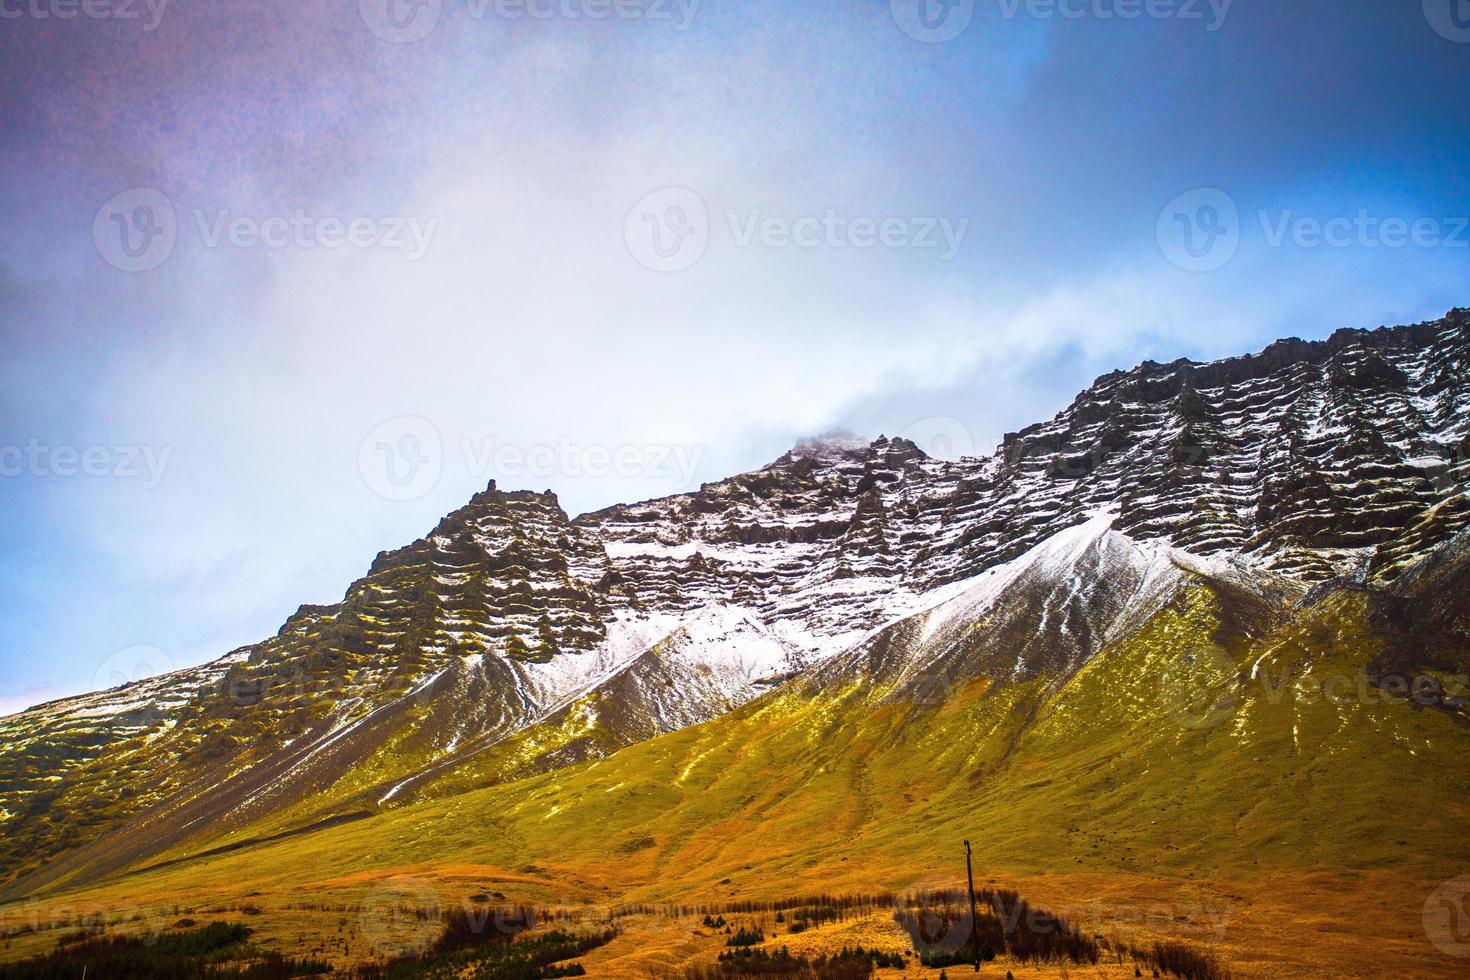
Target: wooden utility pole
974,920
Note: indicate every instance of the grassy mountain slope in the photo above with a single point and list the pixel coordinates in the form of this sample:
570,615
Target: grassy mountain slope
469,657
1224,746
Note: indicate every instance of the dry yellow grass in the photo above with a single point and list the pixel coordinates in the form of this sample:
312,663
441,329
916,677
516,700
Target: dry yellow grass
1276,926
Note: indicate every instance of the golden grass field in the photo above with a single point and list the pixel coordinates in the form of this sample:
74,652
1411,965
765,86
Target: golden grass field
1297,837
1284,925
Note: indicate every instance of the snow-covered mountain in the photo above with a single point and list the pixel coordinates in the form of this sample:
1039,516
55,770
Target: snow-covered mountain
514,637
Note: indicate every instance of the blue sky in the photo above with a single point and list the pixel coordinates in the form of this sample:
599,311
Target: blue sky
367,270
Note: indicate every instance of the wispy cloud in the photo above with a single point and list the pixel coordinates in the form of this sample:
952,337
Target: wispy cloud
799,160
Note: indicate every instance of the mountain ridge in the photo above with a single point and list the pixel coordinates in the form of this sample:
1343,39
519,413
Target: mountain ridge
514,624
1194,745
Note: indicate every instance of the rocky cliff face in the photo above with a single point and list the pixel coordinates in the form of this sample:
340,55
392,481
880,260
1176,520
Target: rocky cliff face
1307,457
514,637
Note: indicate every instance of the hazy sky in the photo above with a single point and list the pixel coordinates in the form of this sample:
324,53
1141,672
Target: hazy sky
280,286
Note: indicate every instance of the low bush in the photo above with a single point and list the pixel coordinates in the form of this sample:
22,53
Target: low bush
1182,960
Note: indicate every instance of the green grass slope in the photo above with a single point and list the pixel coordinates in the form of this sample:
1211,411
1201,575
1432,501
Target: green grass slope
1163,754
1229,741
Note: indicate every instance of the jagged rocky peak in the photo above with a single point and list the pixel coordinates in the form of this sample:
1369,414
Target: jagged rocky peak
508,573
816,542
1307,461
1307,455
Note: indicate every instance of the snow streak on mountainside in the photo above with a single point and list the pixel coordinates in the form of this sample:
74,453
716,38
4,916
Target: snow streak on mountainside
1044,614
40,744
573,637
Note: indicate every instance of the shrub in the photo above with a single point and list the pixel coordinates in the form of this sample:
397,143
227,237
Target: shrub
172,956
943,933
1181,960
747,937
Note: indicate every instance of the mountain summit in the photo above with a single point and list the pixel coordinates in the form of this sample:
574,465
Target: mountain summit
513,639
